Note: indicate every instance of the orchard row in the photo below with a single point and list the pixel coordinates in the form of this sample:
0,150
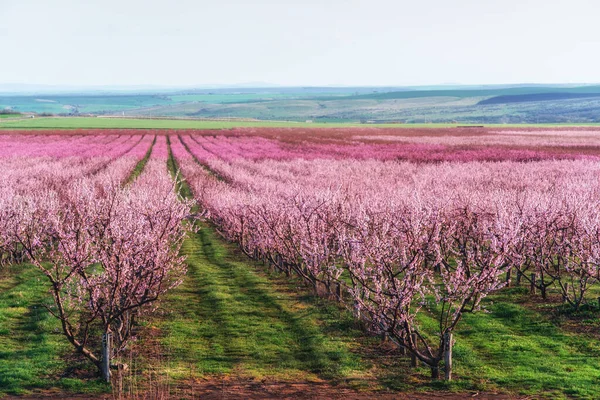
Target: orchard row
106,239
397,239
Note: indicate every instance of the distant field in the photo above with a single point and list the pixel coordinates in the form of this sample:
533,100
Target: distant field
446,105
58,104
99,103
92,122
219,98
9,115
133,123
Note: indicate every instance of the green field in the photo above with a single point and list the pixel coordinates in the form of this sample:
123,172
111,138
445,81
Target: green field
141,123
94,122
64,104
218,98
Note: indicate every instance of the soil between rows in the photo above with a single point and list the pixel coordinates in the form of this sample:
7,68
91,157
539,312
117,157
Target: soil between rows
224,389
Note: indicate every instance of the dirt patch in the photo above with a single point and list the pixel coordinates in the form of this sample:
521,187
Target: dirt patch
251,389
311,390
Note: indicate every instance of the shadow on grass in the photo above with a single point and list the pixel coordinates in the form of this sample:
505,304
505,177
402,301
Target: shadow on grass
242,322
32,348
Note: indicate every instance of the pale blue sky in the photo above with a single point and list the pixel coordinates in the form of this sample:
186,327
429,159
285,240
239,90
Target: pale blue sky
299,42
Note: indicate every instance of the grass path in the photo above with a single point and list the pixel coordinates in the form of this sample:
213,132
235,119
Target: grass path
228,318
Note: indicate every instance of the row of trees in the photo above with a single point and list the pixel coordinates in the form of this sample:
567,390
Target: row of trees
27,171
108,250
396,240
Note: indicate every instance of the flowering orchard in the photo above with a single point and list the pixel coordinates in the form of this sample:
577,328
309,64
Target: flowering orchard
396,225
394,239
108,249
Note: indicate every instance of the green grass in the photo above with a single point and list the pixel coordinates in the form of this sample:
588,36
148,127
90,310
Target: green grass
513,347
32,347
139,167
237,320
2,115
92,122
133,123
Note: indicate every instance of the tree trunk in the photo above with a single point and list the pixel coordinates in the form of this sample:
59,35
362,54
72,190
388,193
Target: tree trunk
338,290
106,339
288,270
384,337
435,372
543,290
356,311
413,357
566,293
448,357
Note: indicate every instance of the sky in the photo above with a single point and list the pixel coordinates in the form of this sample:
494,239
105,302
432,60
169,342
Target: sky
299,42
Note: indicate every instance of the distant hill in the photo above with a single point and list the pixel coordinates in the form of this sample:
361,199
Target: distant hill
512,91
522,98
464,104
